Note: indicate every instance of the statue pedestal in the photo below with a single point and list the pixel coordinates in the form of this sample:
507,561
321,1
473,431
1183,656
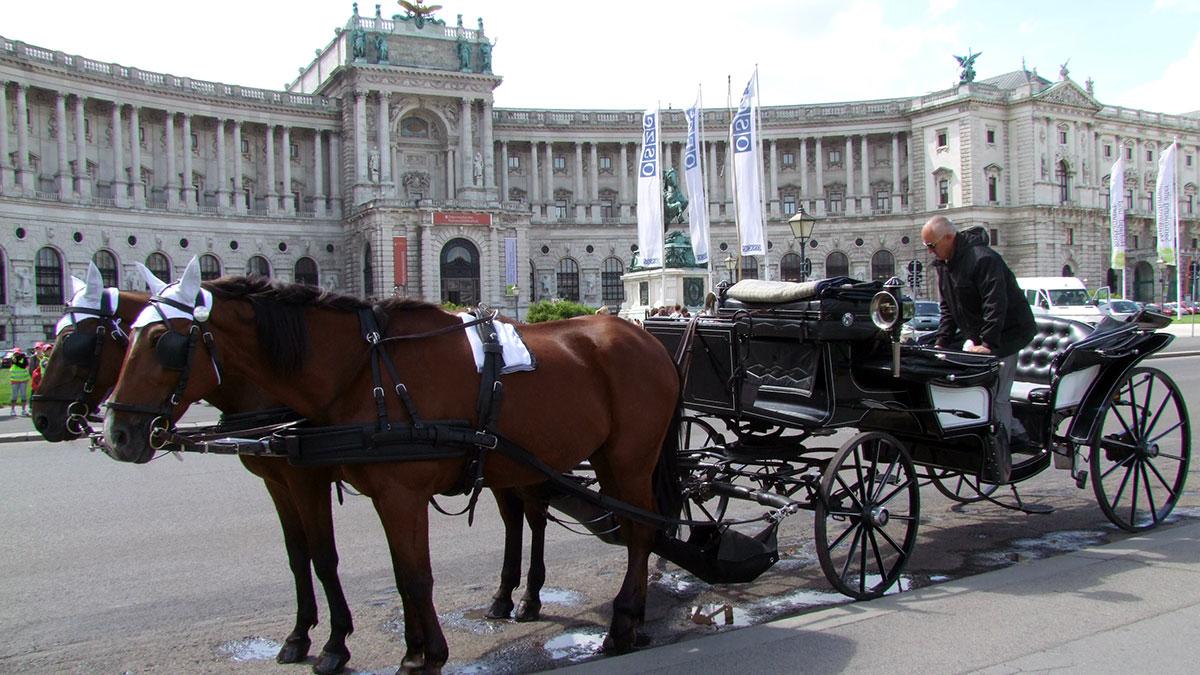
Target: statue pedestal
650,288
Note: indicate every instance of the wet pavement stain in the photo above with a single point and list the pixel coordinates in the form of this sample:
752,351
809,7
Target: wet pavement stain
249,649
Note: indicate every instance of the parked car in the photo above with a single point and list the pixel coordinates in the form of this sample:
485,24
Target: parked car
926,317
1120,309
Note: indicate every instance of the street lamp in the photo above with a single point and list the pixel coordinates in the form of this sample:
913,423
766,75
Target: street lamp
802,225
731,267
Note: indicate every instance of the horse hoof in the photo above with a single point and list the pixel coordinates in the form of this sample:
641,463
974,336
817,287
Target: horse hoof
293,651
500,609
329,663
529,611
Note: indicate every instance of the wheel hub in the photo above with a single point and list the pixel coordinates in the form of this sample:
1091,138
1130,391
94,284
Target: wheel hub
878,516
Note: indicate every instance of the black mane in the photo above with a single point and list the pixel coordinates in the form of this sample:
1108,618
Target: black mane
279,313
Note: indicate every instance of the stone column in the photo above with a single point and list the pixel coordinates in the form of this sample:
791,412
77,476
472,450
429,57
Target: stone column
25,177
594,187
429,259
5,171
172,171
848,161
272,195
135,158
451,174
239,192
580,197
120,189
535,180
83,181
383,127
868,205
668,159
803,159
773,198
189,188
909,168
289,204
624,185
360,138
467,144
489,150
318,175
549,178
503,171
63,177
895,172
222,190
820,187
492,288
729,202
335,173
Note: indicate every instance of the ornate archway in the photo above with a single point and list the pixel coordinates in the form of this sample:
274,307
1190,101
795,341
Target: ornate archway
460,272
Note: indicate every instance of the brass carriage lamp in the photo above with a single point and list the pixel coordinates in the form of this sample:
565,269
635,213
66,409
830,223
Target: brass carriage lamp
802,225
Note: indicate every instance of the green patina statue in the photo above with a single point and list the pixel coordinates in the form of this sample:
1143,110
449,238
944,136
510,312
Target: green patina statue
464,54
358,44
381,48
485,57
674,201
419,13
967,63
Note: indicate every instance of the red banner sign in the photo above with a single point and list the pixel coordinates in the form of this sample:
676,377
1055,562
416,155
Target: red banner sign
461,218
400,260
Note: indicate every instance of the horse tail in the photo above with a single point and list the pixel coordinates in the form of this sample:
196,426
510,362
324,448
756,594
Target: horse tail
668,492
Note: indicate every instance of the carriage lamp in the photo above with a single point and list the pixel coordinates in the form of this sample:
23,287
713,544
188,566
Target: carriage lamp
802,225
731,267
889,310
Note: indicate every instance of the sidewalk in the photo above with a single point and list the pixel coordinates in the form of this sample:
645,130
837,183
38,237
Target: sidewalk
1130,606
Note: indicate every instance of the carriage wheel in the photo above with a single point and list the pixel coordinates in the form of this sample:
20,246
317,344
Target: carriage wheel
866,515
960,487
697,439
1140,461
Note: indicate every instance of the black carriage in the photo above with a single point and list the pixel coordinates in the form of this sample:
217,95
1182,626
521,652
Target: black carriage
776,366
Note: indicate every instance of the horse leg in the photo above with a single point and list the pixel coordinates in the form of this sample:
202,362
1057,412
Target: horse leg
310,494
509,503
405,519
296,644
535,505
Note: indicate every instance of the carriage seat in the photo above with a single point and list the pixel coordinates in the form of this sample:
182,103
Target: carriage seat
758,291
1053,337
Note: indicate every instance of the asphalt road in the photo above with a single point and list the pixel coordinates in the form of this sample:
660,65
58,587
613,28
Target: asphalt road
179,567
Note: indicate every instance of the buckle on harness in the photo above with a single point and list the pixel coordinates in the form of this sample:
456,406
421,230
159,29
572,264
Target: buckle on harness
373,337
486,440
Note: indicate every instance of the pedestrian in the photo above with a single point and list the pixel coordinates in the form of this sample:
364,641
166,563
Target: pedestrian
19,377
985,311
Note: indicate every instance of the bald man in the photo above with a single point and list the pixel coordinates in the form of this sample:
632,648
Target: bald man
982,304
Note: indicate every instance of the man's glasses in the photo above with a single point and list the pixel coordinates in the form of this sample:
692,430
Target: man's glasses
930,245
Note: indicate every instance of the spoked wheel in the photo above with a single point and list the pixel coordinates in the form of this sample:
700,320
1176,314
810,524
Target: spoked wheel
960,487
1140,461
866,515
697,441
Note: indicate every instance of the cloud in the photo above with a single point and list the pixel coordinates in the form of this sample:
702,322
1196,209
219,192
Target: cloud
1173,91
939,7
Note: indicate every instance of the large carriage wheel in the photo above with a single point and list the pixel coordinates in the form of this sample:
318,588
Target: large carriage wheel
866,515
1140,461
960,487
698,441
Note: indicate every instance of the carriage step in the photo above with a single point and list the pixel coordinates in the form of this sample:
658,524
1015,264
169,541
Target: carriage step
1081,479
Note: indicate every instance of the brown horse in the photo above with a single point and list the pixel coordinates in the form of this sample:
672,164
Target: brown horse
79,376
602,389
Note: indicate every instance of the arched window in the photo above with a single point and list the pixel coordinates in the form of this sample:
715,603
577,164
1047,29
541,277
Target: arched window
160,265
49,270
257,266
368,272
460,272
414,127
1062,173
883,265
837,265
106,262
210,267
568,279
790,267
305,272
1067,271
749,267
612,291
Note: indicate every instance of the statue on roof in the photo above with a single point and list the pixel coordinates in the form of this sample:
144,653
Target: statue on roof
967,63
381,48
1063,73
358,44
419,13
485,57
674,201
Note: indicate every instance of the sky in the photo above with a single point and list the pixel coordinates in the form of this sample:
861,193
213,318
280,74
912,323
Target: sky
1141,54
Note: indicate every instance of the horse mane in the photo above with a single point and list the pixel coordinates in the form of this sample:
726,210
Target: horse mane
279,313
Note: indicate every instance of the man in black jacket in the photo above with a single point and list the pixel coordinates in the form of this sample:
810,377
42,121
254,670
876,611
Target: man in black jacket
983,308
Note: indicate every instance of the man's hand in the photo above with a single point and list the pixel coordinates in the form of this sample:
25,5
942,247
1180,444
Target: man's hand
979,349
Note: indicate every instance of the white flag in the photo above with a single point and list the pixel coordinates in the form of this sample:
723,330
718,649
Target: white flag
649,205
1116,212
747,179
693,173
1168,208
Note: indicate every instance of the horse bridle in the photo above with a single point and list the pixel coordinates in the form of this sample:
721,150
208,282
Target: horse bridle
174,351
83,349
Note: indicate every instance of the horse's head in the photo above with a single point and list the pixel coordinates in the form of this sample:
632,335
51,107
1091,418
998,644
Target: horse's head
86,358
170,364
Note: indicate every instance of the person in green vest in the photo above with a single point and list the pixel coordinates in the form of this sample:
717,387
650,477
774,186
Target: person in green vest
19,377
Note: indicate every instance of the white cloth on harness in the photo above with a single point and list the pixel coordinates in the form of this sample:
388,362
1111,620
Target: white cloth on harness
83,298
155,312
516,355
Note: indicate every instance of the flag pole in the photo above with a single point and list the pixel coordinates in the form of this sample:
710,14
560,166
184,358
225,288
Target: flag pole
1178,241
662,282
758,151
704,176
737,231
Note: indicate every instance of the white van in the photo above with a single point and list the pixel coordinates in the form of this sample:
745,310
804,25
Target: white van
1064,297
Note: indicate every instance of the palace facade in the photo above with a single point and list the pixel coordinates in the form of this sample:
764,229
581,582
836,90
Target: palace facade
385,169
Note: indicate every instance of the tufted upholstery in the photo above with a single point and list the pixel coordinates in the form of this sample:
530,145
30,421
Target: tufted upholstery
1053,337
